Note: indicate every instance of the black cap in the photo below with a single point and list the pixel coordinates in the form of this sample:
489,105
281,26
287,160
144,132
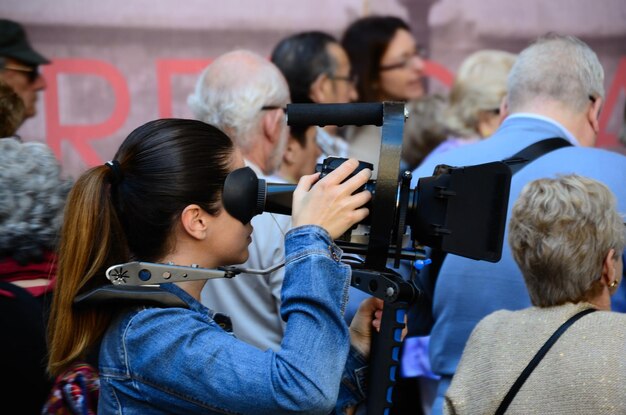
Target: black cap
14,44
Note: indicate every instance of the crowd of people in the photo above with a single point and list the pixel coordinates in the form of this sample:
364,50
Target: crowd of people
297,340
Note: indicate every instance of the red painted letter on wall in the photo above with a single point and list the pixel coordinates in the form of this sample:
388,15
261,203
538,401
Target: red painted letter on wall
439,72
80,136
605,138
165,68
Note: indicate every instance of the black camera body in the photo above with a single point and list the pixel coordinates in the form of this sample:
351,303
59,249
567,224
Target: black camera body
461,210
331,163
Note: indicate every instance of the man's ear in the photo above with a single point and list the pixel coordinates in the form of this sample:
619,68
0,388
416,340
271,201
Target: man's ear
272,126
195,222
593,114
318,92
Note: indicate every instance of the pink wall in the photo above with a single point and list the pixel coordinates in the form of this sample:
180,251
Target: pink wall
118,64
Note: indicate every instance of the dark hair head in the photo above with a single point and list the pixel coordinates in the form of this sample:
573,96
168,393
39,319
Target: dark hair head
298,133
167,165
302,58
127,211
365,42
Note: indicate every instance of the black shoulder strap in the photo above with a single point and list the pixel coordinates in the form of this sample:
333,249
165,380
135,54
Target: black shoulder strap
523,157
129,295
516,162
535,361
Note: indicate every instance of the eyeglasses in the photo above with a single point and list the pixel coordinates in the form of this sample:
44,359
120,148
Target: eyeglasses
32,72
420,53
352,78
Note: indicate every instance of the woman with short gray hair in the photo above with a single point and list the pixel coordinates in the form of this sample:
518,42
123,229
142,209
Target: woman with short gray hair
561,233
567,238
33,196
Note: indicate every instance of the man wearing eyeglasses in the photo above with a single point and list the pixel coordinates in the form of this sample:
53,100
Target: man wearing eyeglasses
19,65
244,95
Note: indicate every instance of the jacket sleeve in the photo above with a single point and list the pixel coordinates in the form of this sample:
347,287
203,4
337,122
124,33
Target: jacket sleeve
353,390
182,359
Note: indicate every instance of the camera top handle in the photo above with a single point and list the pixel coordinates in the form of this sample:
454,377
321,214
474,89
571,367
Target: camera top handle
389,115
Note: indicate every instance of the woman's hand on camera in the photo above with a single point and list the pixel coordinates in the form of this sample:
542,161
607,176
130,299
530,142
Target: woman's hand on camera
328,202
367,318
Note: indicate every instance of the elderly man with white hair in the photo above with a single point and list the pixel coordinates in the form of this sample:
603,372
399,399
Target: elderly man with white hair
555,89
244,94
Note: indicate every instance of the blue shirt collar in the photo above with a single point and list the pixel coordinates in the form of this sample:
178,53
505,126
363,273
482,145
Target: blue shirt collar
566,134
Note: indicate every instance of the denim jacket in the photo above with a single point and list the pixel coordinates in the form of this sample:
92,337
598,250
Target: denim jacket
181,361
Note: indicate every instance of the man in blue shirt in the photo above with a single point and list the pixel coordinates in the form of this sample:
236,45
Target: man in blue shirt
555,89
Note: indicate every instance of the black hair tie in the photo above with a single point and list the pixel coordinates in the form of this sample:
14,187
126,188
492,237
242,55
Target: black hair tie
116,169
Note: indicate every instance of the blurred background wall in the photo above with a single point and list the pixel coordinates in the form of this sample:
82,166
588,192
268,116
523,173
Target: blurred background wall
119,63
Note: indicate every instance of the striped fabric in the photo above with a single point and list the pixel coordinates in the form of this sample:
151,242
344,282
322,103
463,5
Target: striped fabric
74,392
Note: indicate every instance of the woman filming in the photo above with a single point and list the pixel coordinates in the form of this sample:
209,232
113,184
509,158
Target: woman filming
159,201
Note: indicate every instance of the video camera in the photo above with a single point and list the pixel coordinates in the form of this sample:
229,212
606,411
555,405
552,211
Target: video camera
460,210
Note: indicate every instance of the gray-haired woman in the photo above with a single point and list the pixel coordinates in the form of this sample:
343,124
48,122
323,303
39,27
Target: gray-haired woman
567,238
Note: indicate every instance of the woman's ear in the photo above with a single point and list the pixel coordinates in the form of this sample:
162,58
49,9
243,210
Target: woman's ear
195,221
609,274
488,123
504,108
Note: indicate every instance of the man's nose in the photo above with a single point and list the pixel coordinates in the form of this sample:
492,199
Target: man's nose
40,83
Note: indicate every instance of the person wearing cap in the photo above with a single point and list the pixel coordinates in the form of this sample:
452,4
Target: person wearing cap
19,64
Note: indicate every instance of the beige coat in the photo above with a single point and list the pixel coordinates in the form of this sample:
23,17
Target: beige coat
583,373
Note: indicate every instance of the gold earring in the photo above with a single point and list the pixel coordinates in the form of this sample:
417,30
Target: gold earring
613,284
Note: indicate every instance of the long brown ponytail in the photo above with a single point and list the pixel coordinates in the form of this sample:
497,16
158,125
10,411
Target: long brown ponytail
91,239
